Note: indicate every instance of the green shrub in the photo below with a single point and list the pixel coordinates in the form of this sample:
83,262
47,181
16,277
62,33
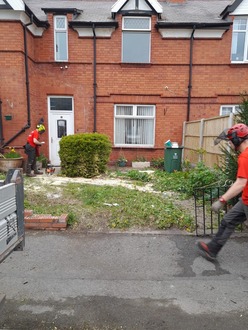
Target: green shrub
229,163
157,162
84,155
242,113
186,181
165,181
202,176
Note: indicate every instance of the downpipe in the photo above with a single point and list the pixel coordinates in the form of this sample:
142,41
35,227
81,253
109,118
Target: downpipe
190,73
94,73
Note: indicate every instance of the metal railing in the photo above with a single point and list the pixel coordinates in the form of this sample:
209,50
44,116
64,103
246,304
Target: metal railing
207,222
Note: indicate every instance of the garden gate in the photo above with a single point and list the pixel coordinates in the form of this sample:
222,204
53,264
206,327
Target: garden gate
207,222
12,234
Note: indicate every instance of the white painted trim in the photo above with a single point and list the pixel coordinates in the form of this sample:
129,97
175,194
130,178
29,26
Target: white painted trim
232,106
120,3
12,15
136,18
117,6
156,6
100,32
209,34
16,4
242,9
58,30
186,33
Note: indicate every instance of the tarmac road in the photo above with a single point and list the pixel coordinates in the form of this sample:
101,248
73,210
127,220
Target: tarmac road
66,280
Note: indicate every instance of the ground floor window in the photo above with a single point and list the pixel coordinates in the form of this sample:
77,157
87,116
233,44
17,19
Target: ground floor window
227,109
134,125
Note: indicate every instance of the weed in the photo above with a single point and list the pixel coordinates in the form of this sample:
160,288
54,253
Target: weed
138,175
157,163
72,219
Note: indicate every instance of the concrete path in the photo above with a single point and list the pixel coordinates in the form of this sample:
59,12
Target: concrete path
66,280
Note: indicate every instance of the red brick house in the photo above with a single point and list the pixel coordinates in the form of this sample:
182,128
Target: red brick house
132,69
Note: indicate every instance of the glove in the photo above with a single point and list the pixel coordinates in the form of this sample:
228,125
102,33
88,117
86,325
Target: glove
218,205
42,142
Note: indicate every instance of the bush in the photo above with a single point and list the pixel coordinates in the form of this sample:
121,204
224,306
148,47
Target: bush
157,163
84,155
229,165
186,181
202,176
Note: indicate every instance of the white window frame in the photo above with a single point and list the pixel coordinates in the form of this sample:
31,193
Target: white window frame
60,97
234,44
136,30
233,109
56,32
134,141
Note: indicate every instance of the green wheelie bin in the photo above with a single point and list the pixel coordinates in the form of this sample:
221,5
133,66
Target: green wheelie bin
172,159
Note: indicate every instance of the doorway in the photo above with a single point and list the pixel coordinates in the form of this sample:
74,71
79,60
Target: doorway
61,123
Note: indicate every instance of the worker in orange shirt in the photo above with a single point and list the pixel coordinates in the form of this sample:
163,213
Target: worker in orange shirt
32,150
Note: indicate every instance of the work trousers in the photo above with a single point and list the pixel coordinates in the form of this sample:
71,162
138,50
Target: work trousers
31,153
235,216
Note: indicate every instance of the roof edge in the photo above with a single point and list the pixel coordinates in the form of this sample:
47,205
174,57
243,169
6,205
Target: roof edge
37,22
91,24
229,9
193,25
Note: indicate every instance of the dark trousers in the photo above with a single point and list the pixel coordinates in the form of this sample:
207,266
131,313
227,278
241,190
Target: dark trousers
237,215
31,153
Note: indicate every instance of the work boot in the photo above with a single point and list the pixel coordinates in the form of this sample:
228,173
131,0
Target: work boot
30,174
208,252
29,171
38,172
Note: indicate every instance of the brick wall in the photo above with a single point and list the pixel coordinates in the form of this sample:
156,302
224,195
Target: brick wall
163,83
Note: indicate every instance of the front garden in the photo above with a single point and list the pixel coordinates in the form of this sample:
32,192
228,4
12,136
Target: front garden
124,200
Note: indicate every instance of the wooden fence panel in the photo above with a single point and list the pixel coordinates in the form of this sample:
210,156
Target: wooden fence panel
198,139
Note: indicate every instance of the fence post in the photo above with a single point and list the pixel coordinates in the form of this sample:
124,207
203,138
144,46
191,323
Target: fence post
231,119
200,157
183,142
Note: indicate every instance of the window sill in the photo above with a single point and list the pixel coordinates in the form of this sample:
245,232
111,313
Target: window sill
134,146
138,65
239,63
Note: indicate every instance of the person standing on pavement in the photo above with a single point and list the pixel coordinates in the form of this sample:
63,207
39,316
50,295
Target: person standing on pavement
237,136
32,150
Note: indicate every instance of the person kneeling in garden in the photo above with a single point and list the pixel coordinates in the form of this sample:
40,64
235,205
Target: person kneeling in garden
237,136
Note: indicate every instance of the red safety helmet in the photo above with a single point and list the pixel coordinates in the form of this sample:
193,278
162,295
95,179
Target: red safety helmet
236,134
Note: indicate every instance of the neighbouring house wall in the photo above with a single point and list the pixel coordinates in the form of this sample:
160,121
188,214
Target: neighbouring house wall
12,77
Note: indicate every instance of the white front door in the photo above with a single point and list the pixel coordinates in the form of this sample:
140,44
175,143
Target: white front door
61,123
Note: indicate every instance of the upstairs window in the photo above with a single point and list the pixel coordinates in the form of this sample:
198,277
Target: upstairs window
60,38
134,125
227,109
239,40
136,39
